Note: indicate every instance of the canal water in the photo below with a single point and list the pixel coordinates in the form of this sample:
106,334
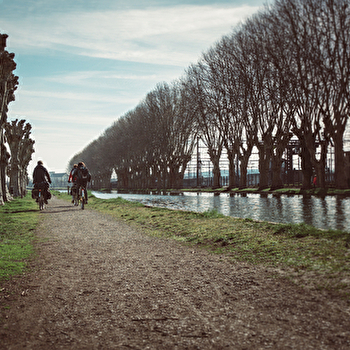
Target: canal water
331,212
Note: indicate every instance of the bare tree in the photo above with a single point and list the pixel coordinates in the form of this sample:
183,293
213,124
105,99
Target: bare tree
25,155
332,32
173,136
275,126
237,123
8,85
300,22
185,131
15,133
198,82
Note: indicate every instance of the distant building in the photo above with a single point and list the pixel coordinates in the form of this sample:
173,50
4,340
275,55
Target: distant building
59,179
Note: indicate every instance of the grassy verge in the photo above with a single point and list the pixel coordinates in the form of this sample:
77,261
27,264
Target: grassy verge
18,220
309,256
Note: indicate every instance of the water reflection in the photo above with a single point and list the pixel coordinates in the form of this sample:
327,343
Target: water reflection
329,212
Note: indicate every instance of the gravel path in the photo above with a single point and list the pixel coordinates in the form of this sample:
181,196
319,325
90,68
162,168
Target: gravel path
100,284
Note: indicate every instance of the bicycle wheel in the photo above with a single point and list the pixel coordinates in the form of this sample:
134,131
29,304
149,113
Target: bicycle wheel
76,199
82,198
41,201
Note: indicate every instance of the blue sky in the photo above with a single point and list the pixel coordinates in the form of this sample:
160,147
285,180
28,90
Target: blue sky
83,64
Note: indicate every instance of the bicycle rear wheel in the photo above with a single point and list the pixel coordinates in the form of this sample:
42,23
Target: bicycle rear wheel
41,201
82,198
76,199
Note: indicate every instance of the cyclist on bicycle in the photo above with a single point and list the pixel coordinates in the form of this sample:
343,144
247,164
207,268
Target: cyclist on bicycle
41,179
73,178
83,177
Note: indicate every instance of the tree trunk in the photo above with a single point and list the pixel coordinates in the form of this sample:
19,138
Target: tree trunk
232,169
216,171
244,156
306,166
264,165
277,165
320,167
2,173
15,179
244,170
276,173
340,164
5,156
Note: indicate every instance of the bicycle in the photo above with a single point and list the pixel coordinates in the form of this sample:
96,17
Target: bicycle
75,194
82,196
41,200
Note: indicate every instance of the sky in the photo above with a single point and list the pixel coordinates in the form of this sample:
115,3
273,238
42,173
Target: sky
82,64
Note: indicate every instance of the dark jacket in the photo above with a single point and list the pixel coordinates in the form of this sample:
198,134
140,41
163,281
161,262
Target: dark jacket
82,175
40,174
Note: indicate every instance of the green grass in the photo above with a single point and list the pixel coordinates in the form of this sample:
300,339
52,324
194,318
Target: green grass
18,220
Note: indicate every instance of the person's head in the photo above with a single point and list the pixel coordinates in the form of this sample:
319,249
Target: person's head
75,165
81,164
40,162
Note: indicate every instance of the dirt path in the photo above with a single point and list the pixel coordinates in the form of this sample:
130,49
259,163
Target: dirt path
100,284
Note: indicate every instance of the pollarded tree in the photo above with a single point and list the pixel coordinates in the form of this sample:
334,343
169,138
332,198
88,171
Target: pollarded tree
143,152
275,125
184,131
25,156
229,76
8,85
332,36
255,75
179,130
300,23
121,149
15,134
170,125
220,80
160,109
205,98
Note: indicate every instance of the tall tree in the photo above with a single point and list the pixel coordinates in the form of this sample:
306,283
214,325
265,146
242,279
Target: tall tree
332,32
8,85
14,133
198,82
25,155
299,21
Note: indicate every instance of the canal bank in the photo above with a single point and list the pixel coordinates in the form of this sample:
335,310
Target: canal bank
330,211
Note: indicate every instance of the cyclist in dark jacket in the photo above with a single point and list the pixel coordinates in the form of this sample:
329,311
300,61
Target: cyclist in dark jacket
41,177
83,177
73,178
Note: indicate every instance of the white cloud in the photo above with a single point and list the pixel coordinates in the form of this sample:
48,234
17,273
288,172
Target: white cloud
163,36
102,78
75,96
69,106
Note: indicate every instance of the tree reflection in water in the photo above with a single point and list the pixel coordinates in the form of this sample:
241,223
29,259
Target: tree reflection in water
330,212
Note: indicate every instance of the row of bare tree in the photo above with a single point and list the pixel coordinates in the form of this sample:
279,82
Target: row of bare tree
150,146
283,73
16,134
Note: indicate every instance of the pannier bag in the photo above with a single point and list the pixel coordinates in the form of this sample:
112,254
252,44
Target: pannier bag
73,190
35,193
42,185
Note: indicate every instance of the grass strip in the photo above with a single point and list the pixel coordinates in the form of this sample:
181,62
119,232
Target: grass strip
307,255
18,220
